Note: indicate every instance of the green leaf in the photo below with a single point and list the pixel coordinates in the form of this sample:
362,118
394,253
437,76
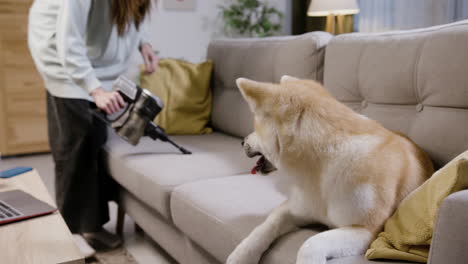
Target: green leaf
238,18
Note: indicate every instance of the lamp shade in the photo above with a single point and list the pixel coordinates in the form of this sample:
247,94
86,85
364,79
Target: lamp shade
335,7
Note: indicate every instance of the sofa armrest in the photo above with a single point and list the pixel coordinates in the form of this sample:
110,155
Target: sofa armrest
450,238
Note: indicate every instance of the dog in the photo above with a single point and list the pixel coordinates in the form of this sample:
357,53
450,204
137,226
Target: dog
347,171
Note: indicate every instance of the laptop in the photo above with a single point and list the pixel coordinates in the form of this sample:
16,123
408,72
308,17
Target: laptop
17,205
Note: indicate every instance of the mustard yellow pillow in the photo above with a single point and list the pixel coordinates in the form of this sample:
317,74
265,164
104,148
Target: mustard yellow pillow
407,234
184,88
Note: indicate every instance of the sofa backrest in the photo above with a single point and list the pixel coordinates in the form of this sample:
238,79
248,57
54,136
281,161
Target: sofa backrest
414,82
263,60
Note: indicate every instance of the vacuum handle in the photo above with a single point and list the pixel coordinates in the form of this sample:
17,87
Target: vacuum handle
100,114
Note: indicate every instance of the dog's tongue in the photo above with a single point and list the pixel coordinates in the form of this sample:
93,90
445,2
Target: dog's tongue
254,170
258,166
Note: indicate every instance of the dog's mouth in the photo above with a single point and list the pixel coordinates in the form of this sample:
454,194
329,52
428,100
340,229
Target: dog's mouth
263,166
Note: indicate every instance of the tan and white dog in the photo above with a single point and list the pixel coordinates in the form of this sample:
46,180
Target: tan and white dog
348,172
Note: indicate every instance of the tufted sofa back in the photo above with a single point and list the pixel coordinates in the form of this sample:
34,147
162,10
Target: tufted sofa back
414,82
263,60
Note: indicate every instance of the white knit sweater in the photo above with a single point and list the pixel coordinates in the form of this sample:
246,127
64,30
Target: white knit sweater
75,46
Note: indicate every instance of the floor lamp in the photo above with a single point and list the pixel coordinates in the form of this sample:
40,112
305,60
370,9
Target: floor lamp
333,9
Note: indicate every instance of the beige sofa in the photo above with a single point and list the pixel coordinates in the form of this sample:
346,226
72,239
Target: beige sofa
199,207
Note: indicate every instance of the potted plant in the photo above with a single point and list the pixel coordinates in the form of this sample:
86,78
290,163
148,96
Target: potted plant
251,18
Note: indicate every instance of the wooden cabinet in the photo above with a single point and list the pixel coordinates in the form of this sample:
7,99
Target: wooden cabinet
23,121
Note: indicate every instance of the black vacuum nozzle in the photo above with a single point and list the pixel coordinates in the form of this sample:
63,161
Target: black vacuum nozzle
156,132
184,151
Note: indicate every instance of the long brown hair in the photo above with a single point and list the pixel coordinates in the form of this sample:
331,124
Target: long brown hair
125,12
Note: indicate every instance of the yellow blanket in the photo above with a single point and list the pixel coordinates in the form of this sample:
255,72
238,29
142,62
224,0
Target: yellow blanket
407,234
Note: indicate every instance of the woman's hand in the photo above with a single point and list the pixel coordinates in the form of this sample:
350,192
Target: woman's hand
150,59
110,102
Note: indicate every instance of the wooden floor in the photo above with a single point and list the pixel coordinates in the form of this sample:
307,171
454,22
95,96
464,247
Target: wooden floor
142,249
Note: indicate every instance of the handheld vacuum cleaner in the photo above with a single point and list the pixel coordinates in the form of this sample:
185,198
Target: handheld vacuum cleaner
135,120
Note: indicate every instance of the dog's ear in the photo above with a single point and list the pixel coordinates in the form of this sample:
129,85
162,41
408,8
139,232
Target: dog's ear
255,93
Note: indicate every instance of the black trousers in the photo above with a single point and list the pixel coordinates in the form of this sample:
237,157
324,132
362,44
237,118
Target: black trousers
83,185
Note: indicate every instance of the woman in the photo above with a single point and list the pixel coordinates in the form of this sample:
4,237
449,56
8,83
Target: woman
80,47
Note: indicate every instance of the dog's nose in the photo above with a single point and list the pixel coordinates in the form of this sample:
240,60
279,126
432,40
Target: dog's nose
242,143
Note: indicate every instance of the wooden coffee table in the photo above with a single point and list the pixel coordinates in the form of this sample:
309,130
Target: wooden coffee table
44,239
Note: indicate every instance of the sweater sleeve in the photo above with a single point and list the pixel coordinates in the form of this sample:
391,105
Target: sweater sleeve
144,38
71,45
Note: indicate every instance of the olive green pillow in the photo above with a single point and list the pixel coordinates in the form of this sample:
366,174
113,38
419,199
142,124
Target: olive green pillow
184,88
407,234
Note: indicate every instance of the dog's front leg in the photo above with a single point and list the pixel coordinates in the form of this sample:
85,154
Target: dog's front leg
250,250
335,243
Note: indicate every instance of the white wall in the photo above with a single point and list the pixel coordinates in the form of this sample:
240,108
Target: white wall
186,34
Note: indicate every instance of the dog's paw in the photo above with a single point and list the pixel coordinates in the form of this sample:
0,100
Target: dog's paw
310,260
306,255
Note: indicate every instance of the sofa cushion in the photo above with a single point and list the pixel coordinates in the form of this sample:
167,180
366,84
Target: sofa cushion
218,213
153,169
265,59
414,82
